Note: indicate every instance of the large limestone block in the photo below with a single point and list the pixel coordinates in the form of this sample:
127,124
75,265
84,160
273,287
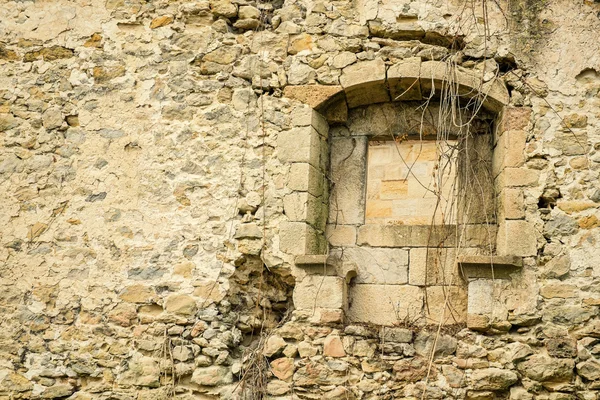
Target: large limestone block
304,207
486,298
509,151
298,238
142,371
517,238
516,177
303,177
476,185
317,291
385,304
301,144
404,80
431,266
306,116
511,204
341,235
446,305
542,368
475,236
396,28
181,304
376,266
348,169
364,83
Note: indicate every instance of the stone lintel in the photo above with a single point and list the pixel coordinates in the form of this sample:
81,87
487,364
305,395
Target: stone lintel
309,260
481,266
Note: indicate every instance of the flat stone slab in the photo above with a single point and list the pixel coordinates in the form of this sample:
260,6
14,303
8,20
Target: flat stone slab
311,260
489,267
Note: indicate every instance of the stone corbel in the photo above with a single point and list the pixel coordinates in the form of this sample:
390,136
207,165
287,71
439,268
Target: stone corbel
323,294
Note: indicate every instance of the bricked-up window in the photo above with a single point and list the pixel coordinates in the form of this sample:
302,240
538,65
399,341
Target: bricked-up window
410,182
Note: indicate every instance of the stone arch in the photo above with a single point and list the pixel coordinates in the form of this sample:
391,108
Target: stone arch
305,147
369,82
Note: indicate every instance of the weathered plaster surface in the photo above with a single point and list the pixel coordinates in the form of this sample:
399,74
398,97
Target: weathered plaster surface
153,152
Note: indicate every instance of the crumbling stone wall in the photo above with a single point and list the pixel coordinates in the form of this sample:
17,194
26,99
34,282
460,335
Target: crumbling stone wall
162,171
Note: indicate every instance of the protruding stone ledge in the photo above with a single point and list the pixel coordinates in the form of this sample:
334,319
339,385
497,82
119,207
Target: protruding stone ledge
311,260
489,267
326,265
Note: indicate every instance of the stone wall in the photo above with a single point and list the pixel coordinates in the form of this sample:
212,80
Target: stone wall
165,191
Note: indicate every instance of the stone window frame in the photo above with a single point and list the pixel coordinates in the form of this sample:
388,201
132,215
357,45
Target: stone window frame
305,149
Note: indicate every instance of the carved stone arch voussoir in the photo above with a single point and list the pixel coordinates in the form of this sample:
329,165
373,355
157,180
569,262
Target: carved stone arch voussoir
369,82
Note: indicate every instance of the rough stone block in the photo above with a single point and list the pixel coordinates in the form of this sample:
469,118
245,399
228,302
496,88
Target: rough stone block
298,238
431,266
316,291
517,238
348,159
513,118
476,194
404,80
313,95
376,266
341,235
481,297
558,290
306,116
385,304
511,204
478,322
509,151
433,74
304,177
304,207
515,146
181,304
446,304
300,145
571,143
337,111
406,235
517,177
396,335
364,83
494,95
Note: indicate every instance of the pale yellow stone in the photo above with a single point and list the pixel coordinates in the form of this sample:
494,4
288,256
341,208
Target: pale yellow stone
558,290
138,294
571,206
385,304
180,304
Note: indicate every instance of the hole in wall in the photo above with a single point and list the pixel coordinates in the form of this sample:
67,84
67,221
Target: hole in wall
587,75
549,198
